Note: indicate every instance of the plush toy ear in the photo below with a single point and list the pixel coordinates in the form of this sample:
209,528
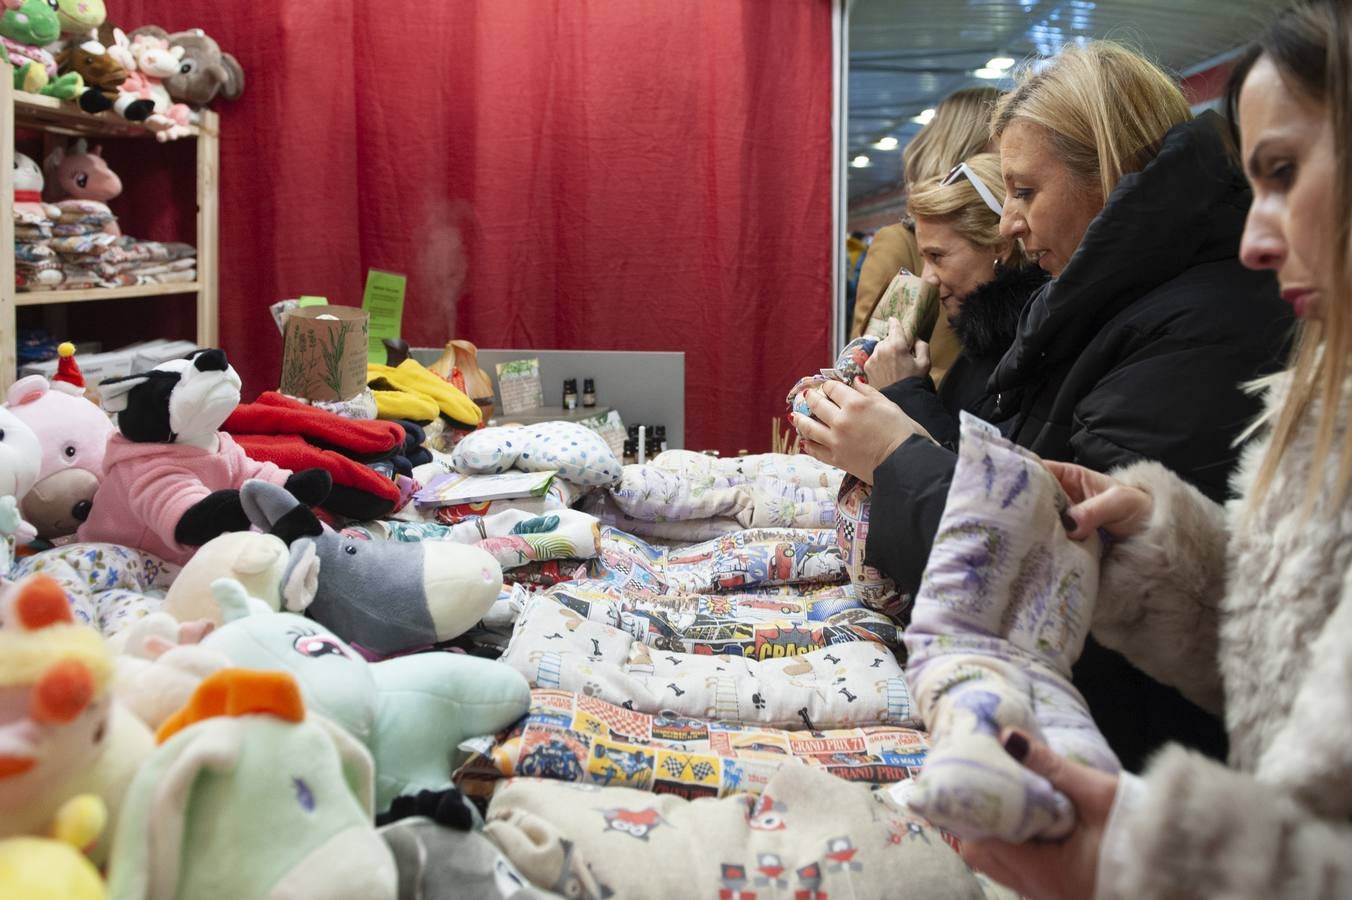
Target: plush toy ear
301,582
233,86
151,30
113,391
232,599
358,766
27,389
274,509
147,420
148,843
54,158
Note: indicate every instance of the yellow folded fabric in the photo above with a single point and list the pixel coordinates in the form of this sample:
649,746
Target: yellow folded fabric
410,376
396,404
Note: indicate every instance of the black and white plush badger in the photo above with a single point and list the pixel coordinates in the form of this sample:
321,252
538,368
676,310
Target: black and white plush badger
171,477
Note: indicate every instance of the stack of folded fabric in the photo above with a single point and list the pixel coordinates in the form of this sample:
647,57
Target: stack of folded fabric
36,264
93,253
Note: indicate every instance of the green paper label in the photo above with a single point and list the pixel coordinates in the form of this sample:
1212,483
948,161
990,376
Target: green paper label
384,300
313,301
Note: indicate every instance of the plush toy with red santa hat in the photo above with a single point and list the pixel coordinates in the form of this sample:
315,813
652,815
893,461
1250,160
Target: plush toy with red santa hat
72,432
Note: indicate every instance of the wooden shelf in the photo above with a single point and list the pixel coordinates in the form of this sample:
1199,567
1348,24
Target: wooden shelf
66,117
43,298
57,118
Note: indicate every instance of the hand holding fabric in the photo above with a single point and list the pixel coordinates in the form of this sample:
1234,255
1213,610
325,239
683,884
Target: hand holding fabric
896,358
1100,501
1066,868
853,427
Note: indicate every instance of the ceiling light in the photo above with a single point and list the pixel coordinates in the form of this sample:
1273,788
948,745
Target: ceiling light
925,117
887,143
990,74
860,162
1000,63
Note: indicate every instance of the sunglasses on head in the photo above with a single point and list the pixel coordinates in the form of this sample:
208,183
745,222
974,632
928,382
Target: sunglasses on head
962,170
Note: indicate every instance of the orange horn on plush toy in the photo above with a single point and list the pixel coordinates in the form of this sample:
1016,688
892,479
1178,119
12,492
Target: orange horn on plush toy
238,692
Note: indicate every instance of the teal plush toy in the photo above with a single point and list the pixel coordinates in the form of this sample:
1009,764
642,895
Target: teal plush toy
248,796
412,712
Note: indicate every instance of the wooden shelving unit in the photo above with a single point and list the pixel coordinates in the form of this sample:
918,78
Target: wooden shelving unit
62,119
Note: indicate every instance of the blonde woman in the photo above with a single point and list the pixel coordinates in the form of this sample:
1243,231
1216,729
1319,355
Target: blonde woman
960,128
1248,606
983,282
1135,349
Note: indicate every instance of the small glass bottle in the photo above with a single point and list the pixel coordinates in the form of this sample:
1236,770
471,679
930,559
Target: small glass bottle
588,393
570,393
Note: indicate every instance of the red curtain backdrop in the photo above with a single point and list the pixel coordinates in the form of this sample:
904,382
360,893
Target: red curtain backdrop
550,174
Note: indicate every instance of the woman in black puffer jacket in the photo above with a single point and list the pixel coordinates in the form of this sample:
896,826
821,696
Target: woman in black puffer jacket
1137,349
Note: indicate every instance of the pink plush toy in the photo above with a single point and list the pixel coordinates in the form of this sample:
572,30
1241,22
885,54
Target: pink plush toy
73,433
152,60
80,173
80,183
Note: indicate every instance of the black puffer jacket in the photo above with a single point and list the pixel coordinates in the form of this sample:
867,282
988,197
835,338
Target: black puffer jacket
1136,351
985,329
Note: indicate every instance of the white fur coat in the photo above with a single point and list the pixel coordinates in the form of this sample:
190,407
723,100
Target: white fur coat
1249,609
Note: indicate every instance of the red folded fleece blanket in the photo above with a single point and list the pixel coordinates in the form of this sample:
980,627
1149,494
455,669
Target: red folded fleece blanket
275,414
288,433
359,492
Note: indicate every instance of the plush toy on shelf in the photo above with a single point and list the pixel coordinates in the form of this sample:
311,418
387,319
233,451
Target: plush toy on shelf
80,19
386,596
35,262
79,172
248,796
29,207
171,477
412,712
72,433
102,75
148,61
72,737
54,868
80,183
26,27
205,72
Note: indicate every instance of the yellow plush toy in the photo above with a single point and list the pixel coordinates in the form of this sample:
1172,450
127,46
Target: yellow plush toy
67,736
33,868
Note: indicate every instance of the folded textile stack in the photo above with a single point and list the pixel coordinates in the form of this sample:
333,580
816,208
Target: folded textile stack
92,257
35,263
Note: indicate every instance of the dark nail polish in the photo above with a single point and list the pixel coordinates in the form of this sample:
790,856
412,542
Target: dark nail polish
1016,745
1067,522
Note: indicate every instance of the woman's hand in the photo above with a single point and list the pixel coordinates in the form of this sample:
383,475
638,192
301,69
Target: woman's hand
894,359
1101,502
855,427
1049,870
